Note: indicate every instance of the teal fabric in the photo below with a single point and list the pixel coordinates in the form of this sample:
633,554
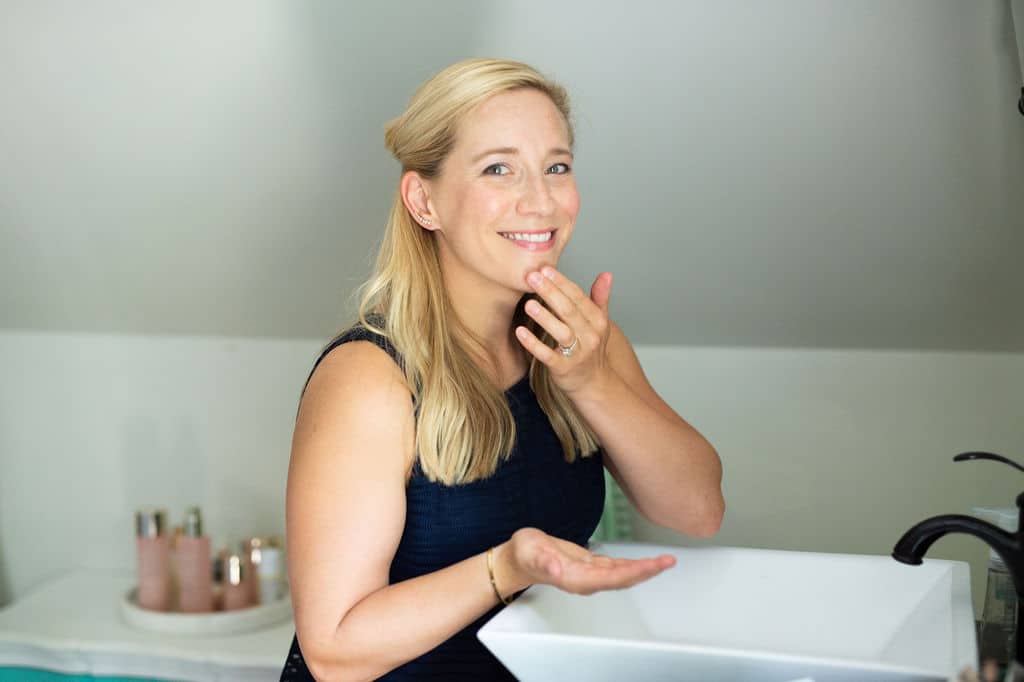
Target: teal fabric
34,675
616,524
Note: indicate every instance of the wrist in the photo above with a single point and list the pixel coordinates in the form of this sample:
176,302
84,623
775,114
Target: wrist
507,577
598,388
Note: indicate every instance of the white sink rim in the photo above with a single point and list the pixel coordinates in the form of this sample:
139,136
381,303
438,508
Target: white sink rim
507,623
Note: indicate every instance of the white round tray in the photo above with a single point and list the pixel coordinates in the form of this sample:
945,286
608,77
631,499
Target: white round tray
215,623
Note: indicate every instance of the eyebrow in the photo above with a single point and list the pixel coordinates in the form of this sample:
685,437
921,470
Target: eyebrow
512,150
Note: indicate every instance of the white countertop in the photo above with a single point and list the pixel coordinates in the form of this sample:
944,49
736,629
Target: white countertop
74,625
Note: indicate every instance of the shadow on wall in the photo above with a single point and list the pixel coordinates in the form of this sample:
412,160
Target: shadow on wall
1006,30
1005,37
5,589
368,59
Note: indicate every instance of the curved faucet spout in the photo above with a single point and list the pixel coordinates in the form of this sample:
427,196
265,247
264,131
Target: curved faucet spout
912,547
916,541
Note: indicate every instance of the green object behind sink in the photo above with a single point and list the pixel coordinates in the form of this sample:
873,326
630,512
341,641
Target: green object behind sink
616,520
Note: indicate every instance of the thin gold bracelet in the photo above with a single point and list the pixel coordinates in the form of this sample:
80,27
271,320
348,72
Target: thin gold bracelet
490,572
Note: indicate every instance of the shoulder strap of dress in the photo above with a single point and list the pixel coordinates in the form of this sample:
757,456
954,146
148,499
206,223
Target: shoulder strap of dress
358,333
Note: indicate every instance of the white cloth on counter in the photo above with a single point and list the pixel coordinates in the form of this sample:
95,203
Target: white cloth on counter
73,625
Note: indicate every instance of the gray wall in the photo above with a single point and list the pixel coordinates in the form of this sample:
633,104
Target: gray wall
822,450
807,173
819,175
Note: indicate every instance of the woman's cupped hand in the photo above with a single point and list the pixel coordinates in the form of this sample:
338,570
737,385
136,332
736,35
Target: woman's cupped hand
532,556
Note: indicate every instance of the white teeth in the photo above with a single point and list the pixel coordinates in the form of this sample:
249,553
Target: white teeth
521,237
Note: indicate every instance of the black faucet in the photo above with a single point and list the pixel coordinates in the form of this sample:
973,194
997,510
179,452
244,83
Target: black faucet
1010,546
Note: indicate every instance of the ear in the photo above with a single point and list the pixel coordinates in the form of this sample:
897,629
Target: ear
415,192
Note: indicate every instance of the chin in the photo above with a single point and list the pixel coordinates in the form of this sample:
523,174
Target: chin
550,258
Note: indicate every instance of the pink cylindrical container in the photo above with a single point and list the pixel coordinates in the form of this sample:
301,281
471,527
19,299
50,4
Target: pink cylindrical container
153,569
192,555
236,590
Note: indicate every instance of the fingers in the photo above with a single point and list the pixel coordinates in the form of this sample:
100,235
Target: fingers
572,568
536,347
565,298
546,319
608,573
619,576
601,291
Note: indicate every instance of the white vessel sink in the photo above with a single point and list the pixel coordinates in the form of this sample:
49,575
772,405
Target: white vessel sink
724,613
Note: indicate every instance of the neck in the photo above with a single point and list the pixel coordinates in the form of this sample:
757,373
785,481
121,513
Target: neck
486,310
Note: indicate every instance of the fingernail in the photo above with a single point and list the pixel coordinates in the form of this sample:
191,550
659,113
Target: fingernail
549,272
533,278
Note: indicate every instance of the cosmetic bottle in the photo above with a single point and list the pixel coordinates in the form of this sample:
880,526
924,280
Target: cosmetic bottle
997,633
236,592
217,571
152,549
252,549
192,554
271,571
172,542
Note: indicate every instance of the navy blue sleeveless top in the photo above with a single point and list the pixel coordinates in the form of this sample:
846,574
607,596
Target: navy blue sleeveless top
535,487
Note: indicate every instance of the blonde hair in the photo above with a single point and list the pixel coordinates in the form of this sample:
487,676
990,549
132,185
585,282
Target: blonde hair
464,424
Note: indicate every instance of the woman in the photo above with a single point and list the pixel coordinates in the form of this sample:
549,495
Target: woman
449,448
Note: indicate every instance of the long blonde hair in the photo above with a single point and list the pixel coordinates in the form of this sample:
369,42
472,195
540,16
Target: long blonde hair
464,424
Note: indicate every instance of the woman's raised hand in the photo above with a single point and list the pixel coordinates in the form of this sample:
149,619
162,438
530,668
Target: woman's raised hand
578,323
532,556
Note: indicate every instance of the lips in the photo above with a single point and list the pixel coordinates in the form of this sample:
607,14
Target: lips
528,233
528,244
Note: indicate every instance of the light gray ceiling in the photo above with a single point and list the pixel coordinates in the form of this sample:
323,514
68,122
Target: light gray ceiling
814,173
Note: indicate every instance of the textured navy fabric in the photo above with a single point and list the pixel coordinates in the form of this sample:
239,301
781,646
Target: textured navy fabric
535,487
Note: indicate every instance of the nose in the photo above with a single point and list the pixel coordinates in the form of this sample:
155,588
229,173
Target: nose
536,197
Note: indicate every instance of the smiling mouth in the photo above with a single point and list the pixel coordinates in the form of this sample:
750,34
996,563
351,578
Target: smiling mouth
532,237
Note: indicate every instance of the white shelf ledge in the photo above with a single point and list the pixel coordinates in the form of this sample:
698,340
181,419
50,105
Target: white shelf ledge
74,625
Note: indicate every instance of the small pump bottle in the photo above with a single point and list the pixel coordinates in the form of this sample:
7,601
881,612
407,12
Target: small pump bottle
252,550
152,545
192,554
236,590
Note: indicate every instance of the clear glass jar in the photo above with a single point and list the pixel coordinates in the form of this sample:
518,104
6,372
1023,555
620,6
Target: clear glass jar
998,627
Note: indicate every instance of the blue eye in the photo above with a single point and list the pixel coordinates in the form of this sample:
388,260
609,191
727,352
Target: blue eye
566,169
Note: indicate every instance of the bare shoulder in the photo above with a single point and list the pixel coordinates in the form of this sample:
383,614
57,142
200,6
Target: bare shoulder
357,391
358,369
345,500
360,380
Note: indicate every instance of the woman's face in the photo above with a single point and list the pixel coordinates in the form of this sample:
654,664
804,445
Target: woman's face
510,171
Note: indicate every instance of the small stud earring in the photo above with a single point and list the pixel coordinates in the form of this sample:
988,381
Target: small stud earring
425,220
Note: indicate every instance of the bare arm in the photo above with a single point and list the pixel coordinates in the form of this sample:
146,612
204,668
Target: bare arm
668,470
352,450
